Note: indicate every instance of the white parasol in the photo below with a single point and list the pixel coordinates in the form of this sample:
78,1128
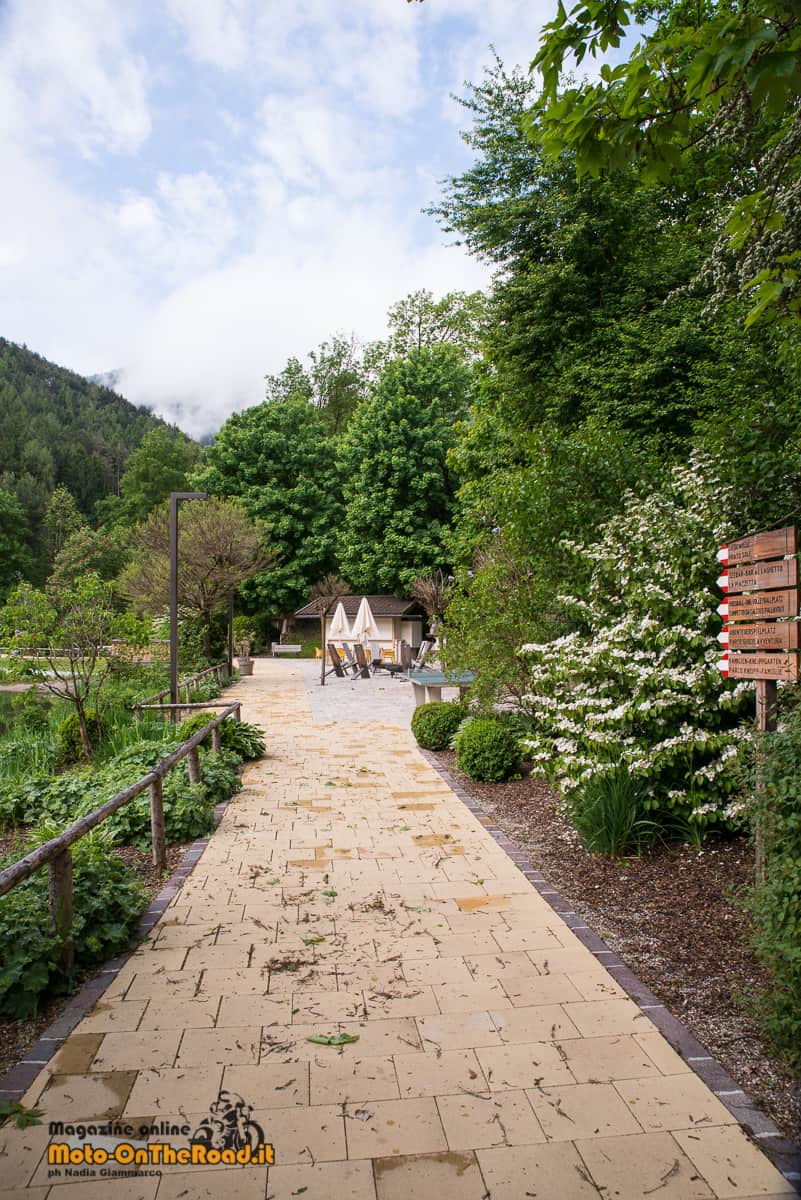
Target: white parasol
364,627
338,629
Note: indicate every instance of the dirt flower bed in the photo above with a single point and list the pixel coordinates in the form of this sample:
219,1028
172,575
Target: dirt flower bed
673,916
17,1036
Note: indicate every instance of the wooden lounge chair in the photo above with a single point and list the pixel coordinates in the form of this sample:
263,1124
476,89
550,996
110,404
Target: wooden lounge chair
361,661
351,661
336,667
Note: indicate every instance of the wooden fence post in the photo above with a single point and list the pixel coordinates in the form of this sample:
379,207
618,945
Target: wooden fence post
157,831
216,739
238,713
766,693
60,902
194,765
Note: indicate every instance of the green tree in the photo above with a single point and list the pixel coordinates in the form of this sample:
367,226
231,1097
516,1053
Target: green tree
277,461
218,548
160,464
15,559
419,322
712,75
89,550
399,493
338,381
73,622
61,519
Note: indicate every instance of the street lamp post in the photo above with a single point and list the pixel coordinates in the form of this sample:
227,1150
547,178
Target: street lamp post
174,498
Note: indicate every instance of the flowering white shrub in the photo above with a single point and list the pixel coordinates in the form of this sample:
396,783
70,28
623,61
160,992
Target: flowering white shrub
640,687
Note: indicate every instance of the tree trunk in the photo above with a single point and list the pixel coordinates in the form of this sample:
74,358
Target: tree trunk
207,636
86,744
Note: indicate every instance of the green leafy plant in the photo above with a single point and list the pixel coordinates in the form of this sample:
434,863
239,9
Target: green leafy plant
244,739
107,901
609,812
487,751
69,736
435,724
21,1116
775,902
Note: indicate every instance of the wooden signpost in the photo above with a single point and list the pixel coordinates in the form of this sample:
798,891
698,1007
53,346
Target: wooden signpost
760,632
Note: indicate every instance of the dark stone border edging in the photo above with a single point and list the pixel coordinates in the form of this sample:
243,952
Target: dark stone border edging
15,1083
785,1154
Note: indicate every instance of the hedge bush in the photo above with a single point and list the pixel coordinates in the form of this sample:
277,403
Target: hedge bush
435,724
775,904
487,751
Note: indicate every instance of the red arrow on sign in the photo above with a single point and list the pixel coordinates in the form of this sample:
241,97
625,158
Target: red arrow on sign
723,581
723,554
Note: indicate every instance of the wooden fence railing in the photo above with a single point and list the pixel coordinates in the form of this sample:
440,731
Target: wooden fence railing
219,671
56,853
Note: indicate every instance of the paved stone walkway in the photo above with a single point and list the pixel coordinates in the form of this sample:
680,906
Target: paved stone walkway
348,890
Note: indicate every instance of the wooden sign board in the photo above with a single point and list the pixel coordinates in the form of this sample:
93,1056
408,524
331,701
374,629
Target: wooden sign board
763,606
773,544
782,573
763,666
781,636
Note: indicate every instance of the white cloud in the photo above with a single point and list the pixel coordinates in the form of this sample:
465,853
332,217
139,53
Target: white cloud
206,349
71,76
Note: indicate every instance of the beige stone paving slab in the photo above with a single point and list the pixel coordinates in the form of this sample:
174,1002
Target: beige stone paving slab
481,1120
394,1127
247,1183
551,1170
583,1110
109,1015
266,1010
101,1189
169,1093
537,1023
528,990
335,1078
270,1086
448,1176
643,1164
523,1065
132,1051
673,1102
328,1181
174,1013
726,1159
438,1074
232,1045
458,1031
605,1059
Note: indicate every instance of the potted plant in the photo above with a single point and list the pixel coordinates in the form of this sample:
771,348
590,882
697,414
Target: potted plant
243,659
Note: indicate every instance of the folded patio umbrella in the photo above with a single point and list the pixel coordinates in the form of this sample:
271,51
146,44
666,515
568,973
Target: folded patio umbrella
338,628
364,628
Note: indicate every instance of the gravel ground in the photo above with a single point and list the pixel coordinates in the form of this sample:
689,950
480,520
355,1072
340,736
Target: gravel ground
673,916
16,1037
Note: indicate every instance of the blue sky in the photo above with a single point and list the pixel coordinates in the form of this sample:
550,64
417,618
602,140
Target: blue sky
194,190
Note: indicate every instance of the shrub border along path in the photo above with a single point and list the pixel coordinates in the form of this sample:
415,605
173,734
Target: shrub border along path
785,1154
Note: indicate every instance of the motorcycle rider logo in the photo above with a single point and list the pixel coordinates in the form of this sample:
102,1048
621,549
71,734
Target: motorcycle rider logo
229,1125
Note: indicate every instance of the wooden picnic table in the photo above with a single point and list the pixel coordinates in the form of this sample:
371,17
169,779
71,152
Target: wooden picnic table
428,683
